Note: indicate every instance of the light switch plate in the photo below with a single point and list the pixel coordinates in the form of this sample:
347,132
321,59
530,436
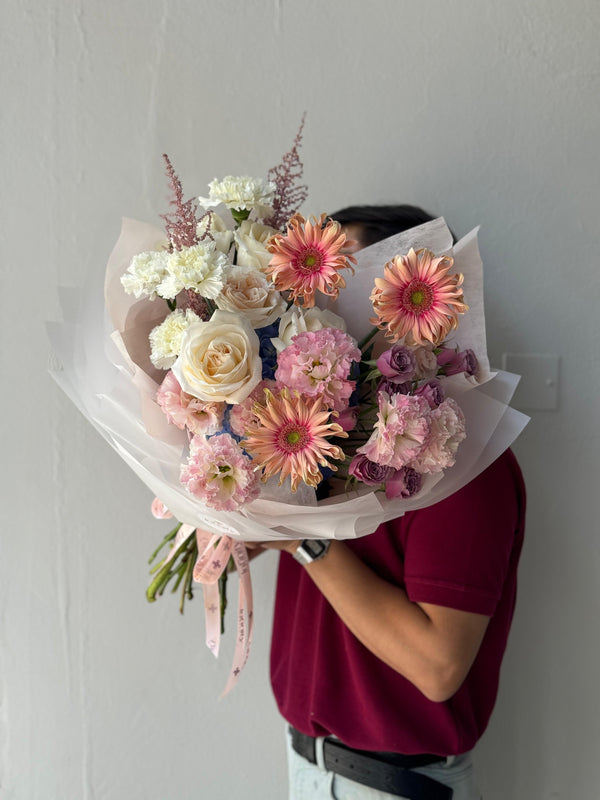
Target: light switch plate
538,388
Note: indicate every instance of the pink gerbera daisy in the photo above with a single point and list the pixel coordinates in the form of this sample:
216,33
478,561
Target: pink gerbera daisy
307,258
292,438
417,299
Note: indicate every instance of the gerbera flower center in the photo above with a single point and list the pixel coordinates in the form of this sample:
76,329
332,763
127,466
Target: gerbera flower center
310,260
292,437
417,297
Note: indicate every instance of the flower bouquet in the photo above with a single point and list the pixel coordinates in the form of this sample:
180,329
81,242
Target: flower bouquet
265,384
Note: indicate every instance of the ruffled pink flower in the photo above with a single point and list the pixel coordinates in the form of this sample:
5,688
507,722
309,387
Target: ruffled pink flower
401,429
318,363
242,418
446,432
219,474
186,411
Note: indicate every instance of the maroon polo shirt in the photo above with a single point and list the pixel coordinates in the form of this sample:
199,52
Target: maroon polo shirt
461,553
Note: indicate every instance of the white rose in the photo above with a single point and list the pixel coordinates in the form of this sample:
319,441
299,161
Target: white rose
297,320
221,235
247,291
250,241
165,339
427,366
219,359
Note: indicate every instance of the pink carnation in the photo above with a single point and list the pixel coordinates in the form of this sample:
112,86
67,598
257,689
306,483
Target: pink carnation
319,363
401,429
186,411
219,474
241,417
446,432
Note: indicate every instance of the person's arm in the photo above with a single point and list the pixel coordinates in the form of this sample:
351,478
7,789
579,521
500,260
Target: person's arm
430,645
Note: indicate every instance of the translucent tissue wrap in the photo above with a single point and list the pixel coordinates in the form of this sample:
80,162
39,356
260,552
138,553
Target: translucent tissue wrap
106,371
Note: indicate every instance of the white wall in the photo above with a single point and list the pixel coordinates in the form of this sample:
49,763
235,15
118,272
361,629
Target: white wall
485,112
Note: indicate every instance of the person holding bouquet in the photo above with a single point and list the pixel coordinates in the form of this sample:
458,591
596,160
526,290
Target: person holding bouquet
386,649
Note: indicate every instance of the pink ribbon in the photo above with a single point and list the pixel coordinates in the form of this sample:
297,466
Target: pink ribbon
214,552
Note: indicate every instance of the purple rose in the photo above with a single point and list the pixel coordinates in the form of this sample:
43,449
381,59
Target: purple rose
471,363
398,363
433,392
404,483
390,387
367,471
454,362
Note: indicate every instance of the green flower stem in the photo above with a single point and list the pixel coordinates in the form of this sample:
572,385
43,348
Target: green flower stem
187,583
180,572
168,538
210,306
365,340
223,598
164,574
239,215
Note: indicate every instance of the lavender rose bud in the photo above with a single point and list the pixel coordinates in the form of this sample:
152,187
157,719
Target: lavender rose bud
397,364
433,392
367,471
406,482
453,362
390,387
471,362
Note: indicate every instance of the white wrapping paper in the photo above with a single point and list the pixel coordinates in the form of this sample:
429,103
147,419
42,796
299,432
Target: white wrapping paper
107,373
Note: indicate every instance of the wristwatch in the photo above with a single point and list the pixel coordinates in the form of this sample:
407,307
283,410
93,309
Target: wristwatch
310,550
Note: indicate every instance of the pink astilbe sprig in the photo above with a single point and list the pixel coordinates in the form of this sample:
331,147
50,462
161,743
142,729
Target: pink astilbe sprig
288,196
182,223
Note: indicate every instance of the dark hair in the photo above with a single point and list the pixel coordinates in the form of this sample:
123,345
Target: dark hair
379,222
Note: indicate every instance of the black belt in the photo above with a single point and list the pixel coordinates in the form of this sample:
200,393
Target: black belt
388,772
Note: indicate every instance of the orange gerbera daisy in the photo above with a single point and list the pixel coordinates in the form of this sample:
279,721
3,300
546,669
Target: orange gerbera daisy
416,299
307,258
292,438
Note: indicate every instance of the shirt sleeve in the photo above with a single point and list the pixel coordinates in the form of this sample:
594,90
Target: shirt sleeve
458,551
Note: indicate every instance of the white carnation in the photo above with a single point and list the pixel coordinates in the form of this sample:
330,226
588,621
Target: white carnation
165,339
297,320
200,268
241,194
221,235
145,273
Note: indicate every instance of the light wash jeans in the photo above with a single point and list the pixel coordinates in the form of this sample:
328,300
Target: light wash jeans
310,782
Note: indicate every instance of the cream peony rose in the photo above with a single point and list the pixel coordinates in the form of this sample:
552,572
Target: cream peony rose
426,361
247,291
220,233
297,320
219,359
250,242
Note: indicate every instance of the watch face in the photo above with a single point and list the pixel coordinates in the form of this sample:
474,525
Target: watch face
313,546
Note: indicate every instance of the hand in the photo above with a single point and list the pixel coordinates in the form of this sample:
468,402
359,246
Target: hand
289,545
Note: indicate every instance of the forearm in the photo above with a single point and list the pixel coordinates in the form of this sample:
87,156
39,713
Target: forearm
432,647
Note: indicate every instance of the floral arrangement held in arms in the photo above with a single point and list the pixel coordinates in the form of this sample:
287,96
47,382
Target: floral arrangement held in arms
236,329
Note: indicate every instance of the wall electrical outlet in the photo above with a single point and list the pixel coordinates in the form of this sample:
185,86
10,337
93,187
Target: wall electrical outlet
538,388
